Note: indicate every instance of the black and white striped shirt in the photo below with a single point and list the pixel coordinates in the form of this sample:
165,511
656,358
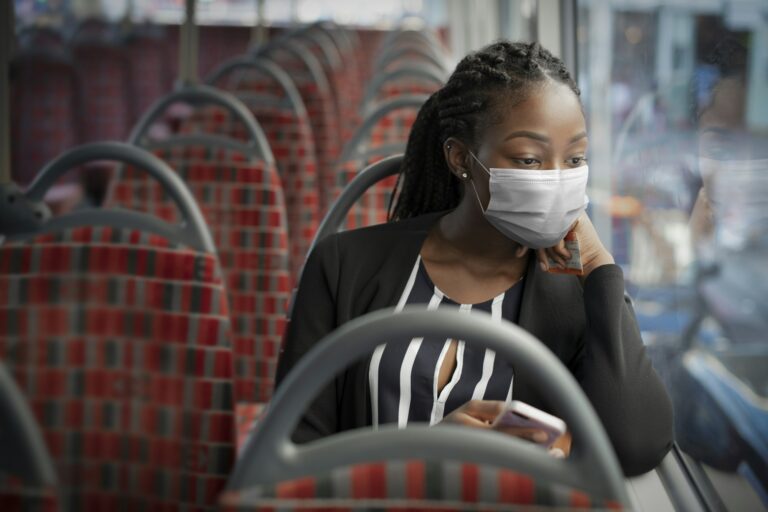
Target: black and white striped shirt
403,377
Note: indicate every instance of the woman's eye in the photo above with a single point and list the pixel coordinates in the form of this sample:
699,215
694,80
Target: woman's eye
577,161
528,161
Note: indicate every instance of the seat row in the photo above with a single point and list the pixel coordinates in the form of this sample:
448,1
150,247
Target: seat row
137,334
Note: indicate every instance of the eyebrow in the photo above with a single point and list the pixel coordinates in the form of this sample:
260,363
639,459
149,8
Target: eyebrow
541,138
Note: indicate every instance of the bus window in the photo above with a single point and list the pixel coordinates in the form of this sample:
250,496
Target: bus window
679,187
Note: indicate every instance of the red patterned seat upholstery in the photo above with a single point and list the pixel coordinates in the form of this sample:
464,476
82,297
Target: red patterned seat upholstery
312,84
103,72
290,137
390,134
120,340
148,54
14,495
242,202
414,485
42,104
410,86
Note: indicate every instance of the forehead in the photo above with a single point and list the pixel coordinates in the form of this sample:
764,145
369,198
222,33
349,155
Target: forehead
550,108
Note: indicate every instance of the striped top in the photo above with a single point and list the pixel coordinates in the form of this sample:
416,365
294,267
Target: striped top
403,377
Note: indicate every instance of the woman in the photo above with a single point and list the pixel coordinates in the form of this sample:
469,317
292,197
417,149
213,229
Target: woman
493,178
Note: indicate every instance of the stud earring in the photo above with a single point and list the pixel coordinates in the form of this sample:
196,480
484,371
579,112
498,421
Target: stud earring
464,175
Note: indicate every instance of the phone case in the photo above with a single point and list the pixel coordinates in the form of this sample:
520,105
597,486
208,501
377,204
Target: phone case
522,415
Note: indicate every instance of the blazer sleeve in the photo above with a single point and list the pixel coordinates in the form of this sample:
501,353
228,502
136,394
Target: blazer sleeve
312,317
618,378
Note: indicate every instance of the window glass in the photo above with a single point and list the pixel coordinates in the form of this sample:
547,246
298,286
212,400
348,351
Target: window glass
676,95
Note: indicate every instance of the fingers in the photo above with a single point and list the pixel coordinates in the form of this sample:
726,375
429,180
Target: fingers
557,453
557,254
533,435
483,410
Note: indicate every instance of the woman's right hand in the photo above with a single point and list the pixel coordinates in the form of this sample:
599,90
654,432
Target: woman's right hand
482,413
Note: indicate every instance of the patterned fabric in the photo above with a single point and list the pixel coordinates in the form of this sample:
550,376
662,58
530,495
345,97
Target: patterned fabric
150,75
290,138
391,131
243,205
393,128
104,96
373,206
399,88
321,110
120,341
247,416
411,485
14,495
43,119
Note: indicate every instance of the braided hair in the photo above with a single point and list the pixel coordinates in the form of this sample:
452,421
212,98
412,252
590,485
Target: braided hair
461,109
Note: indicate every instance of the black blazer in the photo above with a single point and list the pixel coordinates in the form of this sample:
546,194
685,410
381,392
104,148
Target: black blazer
592,330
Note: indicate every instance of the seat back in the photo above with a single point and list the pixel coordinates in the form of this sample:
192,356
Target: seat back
242,201
116,327
103,71
241,197
384,133
410,78
413,485
271,457
273,99
307,73
27,476
42,103
148,54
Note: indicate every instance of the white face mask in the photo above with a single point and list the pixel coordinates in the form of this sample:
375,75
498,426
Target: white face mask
738,193
535,208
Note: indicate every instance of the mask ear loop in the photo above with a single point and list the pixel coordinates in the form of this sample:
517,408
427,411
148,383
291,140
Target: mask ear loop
479,202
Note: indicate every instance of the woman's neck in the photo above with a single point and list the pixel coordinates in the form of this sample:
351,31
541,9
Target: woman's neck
465,235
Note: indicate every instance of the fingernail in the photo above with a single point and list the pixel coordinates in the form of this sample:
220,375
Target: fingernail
557,453
543,266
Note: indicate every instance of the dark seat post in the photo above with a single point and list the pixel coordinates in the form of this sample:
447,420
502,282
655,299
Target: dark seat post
6,46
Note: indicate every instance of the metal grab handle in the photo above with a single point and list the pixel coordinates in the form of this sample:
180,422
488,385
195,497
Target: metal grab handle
193,222
384,108
24,452
429,73
392,54
270,456
205,94
354,190
264,65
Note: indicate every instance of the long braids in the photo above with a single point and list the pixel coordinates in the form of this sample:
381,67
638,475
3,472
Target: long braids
425,183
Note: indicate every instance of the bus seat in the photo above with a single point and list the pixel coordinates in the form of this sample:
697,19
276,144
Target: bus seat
241,197
273,99
307,73
42,103
384,133
421,466
148,55
410,78
345,88
116,327
414,485
27,475
243,205
103,72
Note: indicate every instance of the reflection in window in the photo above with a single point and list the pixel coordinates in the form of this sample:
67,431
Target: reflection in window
679,98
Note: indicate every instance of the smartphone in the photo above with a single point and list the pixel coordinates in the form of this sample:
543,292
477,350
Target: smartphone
521,415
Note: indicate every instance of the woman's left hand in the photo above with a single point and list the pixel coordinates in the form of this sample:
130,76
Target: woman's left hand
593,252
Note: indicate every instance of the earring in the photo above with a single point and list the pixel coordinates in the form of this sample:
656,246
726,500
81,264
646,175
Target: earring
464,175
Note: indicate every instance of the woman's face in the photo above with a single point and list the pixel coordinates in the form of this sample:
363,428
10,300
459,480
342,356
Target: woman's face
545,131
